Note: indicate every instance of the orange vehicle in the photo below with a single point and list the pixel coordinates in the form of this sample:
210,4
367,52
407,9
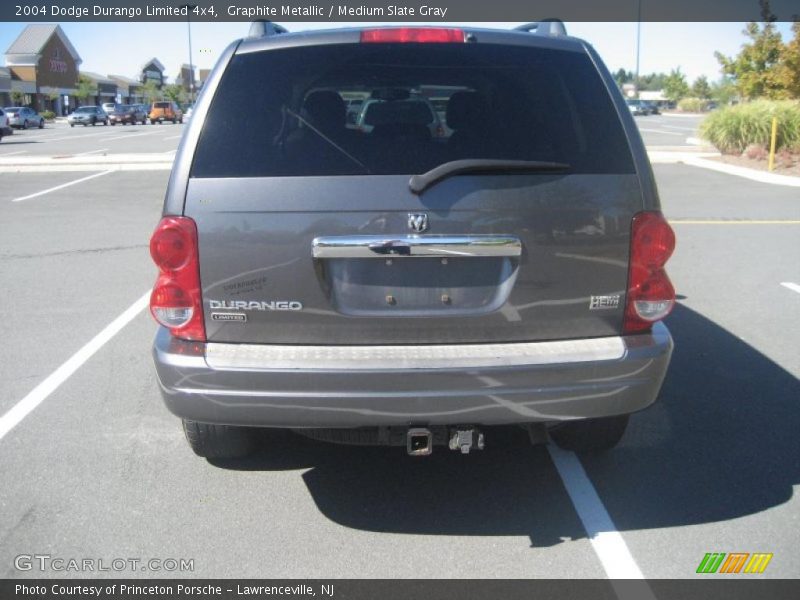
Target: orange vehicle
165,111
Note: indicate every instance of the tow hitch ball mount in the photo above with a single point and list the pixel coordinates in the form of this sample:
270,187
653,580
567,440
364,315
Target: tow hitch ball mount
419,440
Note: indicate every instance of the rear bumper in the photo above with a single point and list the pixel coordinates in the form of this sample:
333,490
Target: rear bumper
357,386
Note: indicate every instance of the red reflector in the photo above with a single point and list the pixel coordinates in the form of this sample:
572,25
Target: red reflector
419,35
176,301
171,242
651,296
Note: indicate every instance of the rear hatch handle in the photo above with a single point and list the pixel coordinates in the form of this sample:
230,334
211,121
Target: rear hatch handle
419,183
369,246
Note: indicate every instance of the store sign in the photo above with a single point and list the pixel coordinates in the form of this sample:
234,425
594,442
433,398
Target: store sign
56,64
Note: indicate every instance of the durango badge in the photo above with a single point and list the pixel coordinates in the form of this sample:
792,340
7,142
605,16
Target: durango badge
256,305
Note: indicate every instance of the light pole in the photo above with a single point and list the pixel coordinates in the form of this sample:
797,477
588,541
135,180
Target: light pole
638,42
189,8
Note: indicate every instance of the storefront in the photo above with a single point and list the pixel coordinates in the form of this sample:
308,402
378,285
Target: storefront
129,91
105,86
153,71
43,65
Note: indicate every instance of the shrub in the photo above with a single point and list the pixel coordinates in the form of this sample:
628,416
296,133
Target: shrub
48,115
692,105
756,152
732,129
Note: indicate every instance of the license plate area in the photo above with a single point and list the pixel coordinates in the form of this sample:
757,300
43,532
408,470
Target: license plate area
397,286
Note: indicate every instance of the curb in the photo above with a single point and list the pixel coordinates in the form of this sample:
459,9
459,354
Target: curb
683,115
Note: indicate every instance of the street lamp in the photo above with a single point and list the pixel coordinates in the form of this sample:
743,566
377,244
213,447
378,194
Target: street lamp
189,8
638,42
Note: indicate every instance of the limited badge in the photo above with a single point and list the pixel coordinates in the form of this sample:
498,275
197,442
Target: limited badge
218,316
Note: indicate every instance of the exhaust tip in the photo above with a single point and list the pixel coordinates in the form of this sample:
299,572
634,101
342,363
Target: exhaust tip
419,442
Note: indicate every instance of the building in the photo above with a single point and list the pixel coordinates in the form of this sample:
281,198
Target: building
5,86
187,80
106,88
153,71
43,65
129,91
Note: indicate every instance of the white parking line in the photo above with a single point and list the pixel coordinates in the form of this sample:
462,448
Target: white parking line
13,153
661,131
91,152
606,541
60,187
792,286
130,135
680,128
172,137
24,407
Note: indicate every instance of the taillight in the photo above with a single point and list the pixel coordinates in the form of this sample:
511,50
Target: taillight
419,35
650,296
176,301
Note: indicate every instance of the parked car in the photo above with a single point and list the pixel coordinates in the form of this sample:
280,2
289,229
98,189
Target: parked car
407,110
87,115
127,114
651,107
392,288
637,107
109,107
5,128
165,111
23,117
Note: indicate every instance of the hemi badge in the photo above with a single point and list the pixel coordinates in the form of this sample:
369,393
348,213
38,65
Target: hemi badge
603,302
218,316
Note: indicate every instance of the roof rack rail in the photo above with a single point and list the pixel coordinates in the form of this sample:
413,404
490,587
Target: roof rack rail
262,28
544,27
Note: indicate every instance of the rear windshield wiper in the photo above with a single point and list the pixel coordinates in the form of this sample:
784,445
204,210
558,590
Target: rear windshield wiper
419,183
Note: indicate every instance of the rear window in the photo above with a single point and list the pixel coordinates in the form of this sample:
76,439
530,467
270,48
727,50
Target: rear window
161,105
420,105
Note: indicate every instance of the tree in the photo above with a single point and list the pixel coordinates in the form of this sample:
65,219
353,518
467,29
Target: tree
757,70
622,77
701,88
85,89
652,82
724,91
150,91
17,97
790,72
675,86
174,92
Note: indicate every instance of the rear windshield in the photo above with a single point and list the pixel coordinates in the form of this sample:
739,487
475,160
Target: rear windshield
161,105
412,108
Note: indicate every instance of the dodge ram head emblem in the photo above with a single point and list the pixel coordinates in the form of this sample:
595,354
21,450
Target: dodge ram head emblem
418,222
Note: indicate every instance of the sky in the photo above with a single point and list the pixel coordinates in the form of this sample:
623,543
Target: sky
122,48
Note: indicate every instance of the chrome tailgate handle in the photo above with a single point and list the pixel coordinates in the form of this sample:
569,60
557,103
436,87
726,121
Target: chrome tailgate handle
370,246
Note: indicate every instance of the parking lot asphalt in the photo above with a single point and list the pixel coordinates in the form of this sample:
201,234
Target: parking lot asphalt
100,469
59,139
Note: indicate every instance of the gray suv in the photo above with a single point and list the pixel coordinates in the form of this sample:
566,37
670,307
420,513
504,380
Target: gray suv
396,287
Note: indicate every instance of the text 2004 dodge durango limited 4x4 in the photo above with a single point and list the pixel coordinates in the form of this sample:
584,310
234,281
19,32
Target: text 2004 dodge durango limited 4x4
408,283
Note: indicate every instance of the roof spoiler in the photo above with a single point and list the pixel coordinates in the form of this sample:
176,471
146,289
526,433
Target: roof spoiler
261,28
544,27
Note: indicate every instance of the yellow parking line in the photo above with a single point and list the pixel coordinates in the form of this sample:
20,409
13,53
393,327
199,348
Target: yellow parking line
729,222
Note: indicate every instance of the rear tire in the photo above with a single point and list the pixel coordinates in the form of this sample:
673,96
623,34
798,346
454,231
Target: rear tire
41,123
24,124
590,435
219,441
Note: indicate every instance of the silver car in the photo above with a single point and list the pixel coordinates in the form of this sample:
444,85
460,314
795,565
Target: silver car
23,117
87,115
388,287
